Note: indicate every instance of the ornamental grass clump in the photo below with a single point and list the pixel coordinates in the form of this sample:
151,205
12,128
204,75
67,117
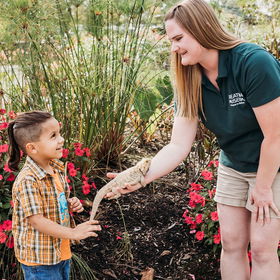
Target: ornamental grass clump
86,68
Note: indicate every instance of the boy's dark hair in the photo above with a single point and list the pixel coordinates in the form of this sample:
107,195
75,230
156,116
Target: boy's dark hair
24,129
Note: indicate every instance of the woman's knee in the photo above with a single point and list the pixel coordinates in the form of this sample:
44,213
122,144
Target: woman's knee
234,242
261,251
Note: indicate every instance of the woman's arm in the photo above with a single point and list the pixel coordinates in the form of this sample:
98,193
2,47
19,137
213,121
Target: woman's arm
170,156
268,117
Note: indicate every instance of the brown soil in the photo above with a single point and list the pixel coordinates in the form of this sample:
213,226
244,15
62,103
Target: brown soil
157,236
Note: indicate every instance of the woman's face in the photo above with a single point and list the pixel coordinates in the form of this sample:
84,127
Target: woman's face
183,43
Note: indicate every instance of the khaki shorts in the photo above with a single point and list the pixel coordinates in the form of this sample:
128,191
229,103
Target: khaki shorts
234,187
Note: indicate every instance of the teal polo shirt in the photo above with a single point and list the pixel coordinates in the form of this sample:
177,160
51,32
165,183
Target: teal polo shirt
248,77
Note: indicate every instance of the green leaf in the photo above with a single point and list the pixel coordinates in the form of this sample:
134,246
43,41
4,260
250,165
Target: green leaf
145,102
165,89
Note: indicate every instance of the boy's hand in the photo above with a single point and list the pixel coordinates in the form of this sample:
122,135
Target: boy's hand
86,230
75,205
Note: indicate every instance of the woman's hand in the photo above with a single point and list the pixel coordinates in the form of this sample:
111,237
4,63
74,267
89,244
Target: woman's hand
127,188
75,205
262,199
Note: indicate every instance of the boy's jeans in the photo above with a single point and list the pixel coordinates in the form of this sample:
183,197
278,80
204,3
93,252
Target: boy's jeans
60,271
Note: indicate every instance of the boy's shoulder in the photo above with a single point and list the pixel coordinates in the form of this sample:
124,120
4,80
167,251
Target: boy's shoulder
25,174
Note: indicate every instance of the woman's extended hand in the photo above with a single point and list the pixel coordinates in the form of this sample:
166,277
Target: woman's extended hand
262,199
127,188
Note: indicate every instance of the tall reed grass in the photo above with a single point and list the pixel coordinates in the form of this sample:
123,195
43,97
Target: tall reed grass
86,70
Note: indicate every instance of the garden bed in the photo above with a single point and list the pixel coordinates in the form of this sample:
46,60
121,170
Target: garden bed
158,237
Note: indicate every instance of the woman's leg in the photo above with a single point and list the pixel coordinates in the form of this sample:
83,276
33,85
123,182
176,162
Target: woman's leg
235,235
264,245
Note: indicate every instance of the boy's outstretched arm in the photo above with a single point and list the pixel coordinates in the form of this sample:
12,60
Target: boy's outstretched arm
81,231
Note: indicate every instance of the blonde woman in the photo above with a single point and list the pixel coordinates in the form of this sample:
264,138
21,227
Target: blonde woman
233,87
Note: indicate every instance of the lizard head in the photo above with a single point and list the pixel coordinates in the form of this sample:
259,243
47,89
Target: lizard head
144,165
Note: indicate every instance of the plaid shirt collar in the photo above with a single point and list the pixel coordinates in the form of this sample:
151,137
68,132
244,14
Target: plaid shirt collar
39,171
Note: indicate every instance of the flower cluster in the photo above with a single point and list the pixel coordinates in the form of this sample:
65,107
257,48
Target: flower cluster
201,215
78,180
7,176
5,234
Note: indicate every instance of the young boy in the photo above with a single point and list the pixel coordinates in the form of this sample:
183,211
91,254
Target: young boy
42,226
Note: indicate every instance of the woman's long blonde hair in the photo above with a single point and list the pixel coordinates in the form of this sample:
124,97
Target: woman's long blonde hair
199,20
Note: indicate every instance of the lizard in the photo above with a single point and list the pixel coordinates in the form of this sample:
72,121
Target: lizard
132,176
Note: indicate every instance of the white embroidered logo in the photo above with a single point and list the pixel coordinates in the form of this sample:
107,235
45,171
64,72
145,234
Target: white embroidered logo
235,99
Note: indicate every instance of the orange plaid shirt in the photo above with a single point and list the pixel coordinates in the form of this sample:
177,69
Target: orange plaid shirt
34,193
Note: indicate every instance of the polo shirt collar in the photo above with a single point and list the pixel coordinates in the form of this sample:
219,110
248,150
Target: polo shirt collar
223,63
39,171
222,66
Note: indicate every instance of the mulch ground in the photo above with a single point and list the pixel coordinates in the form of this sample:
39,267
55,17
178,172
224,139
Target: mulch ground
144,231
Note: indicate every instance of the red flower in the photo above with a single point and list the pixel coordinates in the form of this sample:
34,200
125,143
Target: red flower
1,177
12,115
195,187
70,165
12,203
3,125
85,178
7,225
207,175
73,172
196,198
192,204
87,151
214,163
185,213
11,177
217,238
86,188
93,185
10,242
3,237
79,152
214,216
7,169
77,145
199,235
189,220
199,218
65,153
4,148
2,111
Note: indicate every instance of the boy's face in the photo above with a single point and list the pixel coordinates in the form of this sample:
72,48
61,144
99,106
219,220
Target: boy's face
50,144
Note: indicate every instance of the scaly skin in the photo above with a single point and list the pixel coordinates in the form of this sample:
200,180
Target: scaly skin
132,176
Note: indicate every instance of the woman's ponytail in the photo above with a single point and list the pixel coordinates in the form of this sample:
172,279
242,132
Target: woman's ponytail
14,150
